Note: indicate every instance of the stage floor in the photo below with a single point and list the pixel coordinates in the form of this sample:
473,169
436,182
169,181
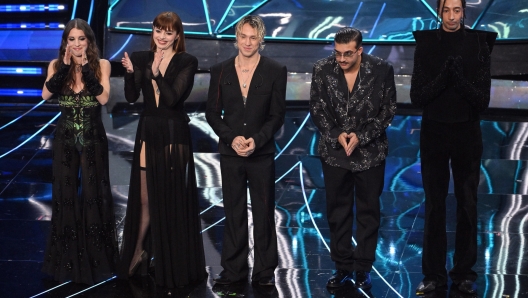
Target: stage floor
303,235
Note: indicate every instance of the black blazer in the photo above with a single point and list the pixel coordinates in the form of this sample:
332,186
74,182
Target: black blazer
367,111
443,95
263,114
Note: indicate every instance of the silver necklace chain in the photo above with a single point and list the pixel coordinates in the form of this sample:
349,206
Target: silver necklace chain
246,70
360,90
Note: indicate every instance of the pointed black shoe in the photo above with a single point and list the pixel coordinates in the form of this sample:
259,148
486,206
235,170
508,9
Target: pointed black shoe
221,280
467,286
267,281
338,279
363,280
427,286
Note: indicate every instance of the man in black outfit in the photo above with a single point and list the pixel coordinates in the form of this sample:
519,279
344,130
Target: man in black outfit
246,107
352,102
451,83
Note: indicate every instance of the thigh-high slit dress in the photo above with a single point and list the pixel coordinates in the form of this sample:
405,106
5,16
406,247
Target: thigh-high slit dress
173,240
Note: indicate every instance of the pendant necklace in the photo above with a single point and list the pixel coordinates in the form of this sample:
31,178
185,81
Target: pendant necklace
246,70
169,59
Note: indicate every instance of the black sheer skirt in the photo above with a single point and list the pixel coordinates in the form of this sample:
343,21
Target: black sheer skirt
82,245
174,240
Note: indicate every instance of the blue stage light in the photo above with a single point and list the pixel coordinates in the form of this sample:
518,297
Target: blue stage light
32,7
21,70
20,92
31,26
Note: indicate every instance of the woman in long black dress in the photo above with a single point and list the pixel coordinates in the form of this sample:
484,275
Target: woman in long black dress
162,213
82,245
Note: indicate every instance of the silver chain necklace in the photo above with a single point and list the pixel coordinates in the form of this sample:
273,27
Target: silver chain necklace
360,90
246,70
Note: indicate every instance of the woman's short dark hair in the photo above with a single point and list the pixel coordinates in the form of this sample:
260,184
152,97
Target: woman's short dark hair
348,34
169,21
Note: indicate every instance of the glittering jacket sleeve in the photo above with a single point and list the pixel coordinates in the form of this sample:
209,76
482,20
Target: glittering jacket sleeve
319,111
425,87
376,125
476,91
464,65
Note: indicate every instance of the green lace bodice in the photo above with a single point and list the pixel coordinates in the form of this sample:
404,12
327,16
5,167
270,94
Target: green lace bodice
80,122
82,99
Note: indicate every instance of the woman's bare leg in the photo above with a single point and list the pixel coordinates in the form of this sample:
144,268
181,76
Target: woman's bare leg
145,215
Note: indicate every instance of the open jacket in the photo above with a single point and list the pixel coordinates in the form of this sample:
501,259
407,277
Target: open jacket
367,111
262,115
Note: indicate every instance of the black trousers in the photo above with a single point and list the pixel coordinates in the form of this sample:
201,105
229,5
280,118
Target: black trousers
343,187
440,144
259,173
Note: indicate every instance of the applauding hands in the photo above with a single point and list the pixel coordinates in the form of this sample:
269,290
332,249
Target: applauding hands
127,64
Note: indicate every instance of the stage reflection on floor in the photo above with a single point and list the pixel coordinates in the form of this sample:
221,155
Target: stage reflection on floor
302,230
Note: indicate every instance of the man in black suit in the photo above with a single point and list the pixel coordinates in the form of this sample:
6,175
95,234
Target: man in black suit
451,83
352,102
245,107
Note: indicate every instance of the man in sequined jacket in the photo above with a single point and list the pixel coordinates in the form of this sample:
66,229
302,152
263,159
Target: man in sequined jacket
352,102
451,83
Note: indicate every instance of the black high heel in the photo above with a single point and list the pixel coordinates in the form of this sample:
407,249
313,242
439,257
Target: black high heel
141,262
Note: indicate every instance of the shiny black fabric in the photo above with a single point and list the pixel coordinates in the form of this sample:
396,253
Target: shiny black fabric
367,111
56,82
451,83
456,91
90,81
174,238
82,245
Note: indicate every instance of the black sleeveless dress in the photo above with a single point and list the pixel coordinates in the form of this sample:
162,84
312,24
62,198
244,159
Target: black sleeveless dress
82,245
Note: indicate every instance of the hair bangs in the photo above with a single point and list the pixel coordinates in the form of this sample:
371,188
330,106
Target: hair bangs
164,22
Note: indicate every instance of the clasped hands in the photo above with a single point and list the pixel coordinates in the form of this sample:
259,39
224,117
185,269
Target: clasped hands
455,68
349,142
242,146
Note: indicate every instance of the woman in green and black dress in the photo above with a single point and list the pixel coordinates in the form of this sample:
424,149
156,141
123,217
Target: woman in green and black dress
82,245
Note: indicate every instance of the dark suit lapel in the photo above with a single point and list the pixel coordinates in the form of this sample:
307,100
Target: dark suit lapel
230,76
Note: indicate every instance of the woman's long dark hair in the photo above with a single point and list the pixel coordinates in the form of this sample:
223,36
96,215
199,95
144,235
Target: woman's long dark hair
92,52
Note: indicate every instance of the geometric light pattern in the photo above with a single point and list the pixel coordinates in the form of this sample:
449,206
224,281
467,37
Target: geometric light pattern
379,21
